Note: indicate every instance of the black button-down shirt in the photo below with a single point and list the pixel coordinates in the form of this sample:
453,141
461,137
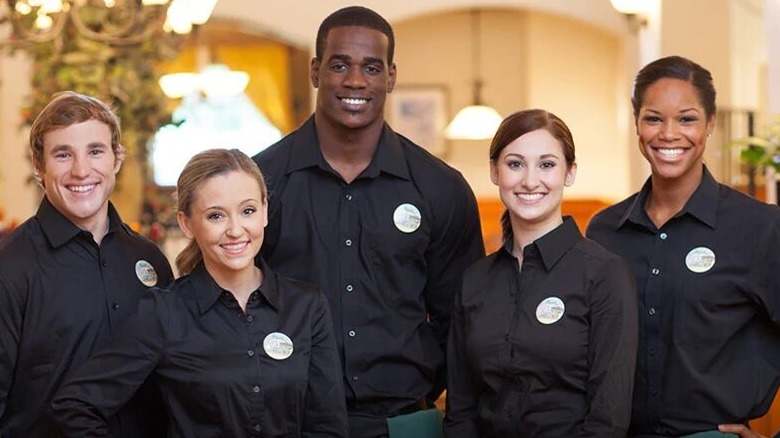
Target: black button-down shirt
388,250
547,350
222,371
709,306
61,297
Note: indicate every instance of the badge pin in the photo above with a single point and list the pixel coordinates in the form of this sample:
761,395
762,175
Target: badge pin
407,218
550,310
278,346
145,273
700,259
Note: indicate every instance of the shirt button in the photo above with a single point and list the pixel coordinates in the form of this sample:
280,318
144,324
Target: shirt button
351,333
655,271
115,306
349,197
652,351
651,311
104,263
256,389
349,288
348,242
653,392
250,353
258,428
355,378
662,236
250,318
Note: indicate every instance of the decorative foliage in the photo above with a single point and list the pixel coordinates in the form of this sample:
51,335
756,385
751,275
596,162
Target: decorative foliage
123,75
763,151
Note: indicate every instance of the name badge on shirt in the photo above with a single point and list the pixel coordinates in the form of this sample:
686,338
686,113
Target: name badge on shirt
145,273
407,218
550,310
700,259
278,346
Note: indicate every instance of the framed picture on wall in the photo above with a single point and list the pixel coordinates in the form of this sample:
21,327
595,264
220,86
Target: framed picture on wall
419,112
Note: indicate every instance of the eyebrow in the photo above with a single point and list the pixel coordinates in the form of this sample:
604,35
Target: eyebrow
366,59
543,156
684,110
219,207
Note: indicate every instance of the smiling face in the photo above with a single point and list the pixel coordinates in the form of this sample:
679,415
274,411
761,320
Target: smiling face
227,220
530,173
353,78
672,126
78,173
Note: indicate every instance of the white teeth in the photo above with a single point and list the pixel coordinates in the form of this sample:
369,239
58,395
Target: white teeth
353,101
81,189
234,246
670,153
530,196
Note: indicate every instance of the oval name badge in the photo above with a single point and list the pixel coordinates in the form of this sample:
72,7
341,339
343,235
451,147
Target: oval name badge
700,259
278,346
145,273
407,218
550,310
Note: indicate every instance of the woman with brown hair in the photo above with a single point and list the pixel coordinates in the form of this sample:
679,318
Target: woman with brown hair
543,336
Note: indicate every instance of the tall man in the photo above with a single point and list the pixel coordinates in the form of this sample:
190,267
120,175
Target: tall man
383,227
72,273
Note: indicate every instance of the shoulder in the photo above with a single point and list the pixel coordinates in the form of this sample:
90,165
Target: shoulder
22,245
606,222
426,167
739,206
275,155
141,247
298,289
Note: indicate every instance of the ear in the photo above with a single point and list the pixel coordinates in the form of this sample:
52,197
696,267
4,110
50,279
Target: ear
494,173
711,124
38,171
264,212
314,72
184,224
392,73
119,158
571,175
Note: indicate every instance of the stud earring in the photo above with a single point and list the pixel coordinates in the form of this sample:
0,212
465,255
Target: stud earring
709,134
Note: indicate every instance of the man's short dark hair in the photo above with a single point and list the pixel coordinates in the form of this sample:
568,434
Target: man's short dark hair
355,16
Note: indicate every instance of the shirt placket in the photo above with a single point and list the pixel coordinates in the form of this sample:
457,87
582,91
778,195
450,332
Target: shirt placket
347,282
252,338
652,317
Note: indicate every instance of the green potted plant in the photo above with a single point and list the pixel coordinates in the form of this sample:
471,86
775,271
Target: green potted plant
760,152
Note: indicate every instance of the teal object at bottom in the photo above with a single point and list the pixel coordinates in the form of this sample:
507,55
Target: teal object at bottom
710,434
420,424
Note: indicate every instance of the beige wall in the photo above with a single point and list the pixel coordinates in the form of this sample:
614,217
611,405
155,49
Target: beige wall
529,59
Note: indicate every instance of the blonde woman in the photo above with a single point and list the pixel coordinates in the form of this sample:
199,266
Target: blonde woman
236,349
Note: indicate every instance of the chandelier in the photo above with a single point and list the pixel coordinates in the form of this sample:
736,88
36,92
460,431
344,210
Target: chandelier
114,22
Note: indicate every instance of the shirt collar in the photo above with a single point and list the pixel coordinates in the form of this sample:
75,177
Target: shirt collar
58,229
553,245
703,204
207,291
389,157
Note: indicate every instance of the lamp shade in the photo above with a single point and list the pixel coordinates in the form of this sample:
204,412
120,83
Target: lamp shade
475,122
629,6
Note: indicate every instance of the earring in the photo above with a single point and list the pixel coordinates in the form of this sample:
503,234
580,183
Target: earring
709,134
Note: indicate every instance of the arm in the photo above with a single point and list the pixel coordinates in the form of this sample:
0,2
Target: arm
455,245
460,421
740,430
110,377
612,347
13,299
325,412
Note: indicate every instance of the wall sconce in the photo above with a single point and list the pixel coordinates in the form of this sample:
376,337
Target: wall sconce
634,12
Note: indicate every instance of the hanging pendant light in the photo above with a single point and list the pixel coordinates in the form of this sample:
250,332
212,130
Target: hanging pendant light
477,121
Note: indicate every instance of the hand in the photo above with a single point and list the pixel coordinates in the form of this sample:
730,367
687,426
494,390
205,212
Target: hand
739,429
